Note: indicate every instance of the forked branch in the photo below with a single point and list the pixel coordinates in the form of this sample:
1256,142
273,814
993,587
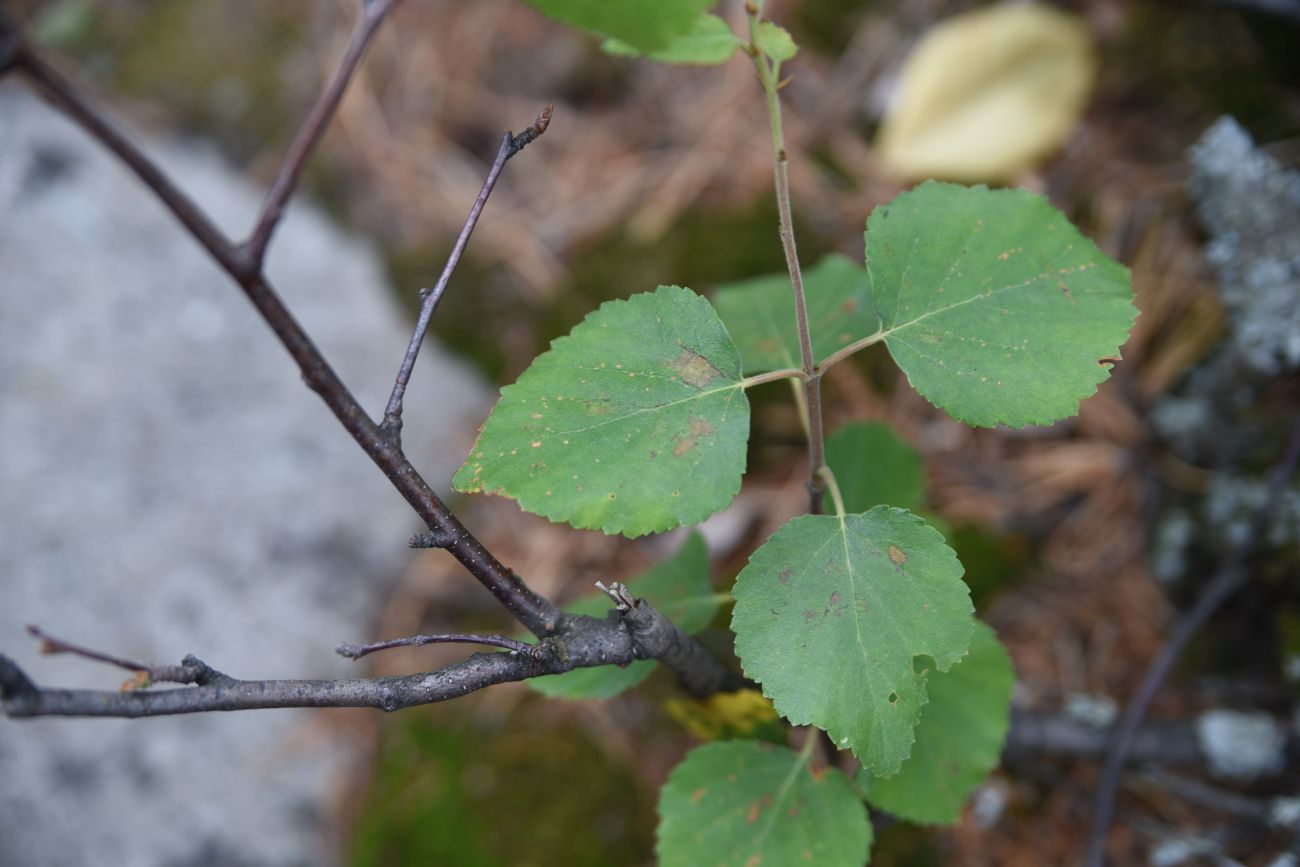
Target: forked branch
253,250
537,614
429,298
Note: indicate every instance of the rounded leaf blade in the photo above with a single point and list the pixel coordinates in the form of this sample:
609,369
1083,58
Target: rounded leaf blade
832,612
633,423
959,740
996,308
746,803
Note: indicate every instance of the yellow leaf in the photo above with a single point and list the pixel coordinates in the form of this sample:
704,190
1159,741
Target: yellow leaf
723,715
986,94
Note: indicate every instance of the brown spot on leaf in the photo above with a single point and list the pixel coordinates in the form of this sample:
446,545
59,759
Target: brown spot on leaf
698,428
850,305
696,795
754,860
752,815
897,555
694,369
809,616
784,577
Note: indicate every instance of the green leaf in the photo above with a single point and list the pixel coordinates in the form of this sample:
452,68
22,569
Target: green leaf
678,586
643,25
760,317
831,614
709,42
995,307
775,41
959,740
874,467
746,803
634,423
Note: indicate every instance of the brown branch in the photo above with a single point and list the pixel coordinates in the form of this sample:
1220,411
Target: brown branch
537,614
1232,574
429,298
640,632
73,102
252,252
183,673
581,642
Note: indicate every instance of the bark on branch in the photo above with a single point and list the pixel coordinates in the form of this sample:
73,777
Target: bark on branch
641,632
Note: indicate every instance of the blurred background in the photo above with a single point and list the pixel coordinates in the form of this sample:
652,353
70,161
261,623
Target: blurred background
1082,541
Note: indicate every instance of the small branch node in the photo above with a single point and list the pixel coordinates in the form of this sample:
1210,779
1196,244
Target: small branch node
621,595
519,142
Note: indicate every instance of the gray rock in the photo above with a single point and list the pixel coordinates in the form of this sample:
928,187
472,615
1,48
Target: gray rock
168,485
1251,206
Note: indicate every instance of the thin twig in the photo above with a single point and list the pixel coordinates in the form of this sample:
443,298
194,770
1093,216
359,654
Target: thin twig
1203,795
1230,576
769,74
510,145
356,651
568,641
74,103
186,672
252,252
641,632
539,615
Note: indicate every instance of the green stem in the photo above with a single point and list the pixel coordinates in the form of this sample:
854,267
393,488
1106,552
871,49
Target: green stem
831,485
769,74
793,373
844,352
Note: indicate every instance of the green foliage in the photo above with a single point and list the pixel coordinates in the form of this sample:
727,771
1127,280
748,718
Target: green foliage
759,314
634,423
831,614
874,467
745,803
774,41
709,42
995,307
958,741
645,26
678,587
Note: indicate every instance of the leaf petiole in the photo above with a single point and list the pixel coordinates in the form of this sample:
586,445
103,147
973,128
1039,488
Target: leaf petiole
773,376
828,476
856,346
